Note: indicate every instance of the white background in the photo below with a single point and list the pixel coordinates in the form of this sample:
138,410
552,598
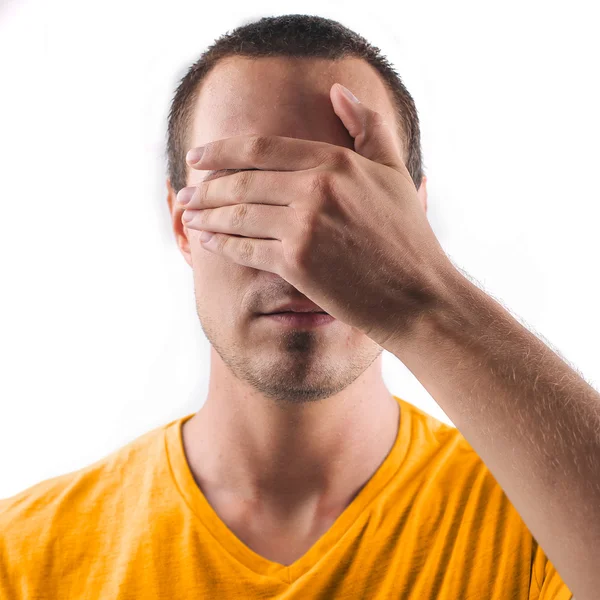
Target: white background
99,339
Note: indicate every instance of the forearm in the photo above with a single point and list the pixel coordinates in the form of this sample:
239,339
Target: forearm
532,419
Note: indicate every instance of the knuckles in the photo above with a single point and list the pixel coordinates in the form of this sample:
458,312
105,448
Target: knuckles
238,215
240,184
343,159
321,184
246,250
259,147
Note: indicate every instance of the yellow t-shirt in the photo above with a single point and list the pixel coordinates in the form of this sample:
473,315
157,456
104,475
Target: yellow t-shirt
432,522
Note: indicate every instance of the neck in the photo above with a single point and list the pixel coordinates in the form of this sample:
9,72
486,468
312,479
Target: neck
243,445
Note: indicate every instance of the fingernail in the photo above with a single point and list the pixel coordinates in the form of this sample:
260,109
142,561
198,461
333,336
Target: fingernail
195,154
185,195
349,94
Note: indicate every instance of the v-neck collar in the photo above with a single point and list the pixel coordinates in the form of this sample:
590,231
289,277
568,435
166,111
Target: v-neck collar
192,494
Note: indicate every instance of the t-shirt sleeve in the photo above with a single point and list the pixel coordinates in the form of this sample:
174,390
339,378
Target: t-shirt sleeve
546,583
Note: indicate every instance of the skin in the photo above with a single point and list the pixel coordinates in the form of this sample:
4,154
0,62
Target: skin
531,418
296,422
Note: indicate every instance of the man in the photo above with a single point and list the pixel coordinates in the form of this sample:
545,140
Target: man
301,476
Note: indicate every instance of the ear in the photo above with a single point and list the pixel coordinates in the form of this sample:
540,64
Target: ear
422,193
171,195
179,229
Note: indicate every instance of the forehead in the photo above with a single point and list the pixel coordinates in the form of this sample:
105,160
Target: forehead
283,96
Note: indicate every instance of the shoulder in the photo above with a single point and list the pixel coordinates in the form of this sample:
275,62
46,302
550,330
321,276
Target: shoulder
431,436
40,520
442,457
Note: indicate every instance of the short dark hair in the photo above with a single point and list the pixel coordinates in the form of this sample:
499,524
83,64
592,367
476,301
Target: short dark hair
288,36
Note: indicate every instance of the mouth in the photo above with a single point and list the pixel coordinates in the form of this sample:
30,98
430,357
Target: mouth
298,312
299,319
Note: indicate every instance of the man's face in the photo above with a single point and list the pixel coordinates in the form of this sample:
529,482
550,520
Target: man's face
288,97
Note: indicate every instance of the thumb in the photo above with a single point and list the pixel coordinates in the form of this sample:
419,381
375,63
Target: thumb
373,137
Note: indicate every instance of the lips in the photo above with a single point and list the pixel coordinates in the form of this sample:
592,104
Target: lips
300,319
297,306
297,312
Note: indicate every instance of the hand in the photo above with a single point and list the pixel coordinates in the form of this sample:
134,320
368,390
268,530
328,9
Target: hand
346,228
